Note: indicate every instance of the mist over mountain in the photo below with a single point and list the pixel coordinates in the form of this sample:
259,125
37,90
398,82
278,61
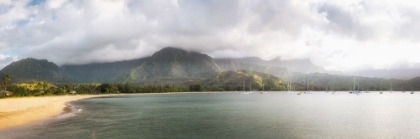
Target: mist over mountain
296,65
179,67
168,65
244,80
99,72
397,73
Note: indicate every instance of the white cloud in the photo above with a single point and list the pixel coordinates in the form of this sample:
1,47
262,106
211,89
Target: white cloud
6,60
339,35
54,4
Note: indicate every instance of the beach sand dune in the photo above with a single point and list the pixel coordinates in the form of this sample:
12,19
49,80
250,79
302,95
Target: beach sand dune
21,111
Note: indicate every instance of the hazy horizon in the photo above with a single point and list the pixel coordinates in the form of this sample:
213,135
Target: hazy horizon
346,36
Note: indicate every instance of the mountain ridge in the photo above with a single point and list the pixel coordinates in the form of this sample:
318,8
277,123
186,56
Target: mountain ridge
175,66
33,69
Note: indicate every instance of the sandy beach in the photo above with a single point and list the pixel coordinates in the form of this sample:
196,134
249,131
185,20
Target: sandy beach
21,111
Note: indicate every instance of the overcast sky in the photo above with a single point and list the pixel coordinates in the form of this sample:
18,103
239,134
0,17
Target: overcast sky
346,35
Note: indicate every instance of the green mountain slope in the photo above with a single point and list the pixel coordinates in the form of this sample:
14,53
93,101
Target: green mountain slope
238,80
169,64
99,72
296,65
32,69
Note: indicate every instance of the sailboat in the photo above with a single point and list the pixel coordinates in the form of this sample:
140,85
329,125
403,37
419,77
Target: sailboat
250,89
244,92
326,89
412,92
289,87
354,87
307,87
263,92
367,90
403,89
381,88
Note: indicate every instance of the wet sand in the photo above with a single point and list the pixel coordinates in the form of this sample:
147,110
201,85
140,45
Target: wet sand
21,111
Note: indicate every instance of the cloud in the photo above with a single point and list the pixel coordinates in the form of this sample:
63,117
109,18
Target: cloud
335,34
6,60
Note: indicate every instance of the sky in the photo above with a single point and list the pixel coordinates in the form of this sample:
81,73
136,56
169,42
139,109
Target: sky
340,35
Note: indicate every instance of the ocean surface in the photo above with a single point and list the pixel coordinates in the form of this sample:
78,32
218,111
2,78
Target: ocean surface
234,115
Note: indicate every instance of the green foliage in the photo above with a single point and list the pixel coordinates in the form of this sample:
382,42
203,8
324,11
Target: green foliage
59,91
195,88
6,78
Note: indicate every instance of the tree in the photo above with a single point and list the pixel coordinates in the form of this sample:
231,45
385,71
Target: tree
127,88
44,85
67,88
5,79
195,87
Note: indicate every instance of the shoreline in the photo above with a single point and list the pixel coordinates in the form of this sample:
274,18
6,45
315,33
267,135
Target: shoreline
16,112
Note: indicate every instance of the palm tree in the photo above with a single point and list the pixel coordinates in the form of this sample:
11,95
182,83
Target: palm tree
5,79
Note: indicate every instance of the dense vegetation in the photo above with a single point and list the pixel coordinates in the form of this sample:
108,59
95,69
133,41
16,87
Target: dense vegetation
44,88
33,69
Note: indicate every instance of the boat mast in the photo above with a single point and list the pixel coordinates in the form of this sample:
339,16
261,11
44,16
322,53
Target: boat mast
307,85
391,86
244,85
263,86
354,83
250,89
291,86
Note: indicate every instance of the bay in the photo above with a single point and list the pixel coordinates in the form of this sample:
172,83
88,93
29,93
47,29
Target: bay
234,115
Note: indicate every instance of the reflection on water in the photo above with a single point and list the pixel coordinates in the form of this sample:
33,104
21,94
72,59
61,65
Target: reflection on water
232,115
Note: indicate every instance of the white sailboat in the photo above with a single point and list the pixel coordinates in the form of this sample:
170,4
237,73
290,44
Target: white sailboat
354,87
381,91
403,89
244,91
250,89
307,87
289,88
263,92
381,88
